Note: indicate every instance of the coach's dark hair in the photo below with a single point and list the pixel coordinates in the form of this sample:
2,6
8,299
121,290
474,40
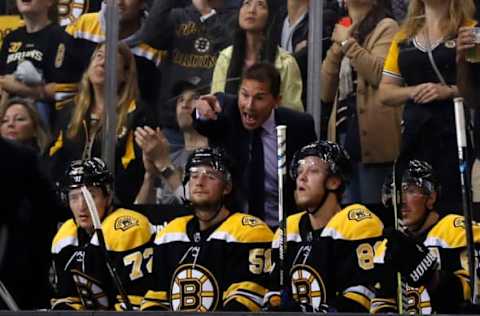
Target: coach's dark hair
266,73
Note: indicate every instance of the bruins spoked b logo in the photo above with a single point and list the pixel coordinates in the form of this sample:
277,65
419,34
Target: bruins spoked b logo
307,286
193,289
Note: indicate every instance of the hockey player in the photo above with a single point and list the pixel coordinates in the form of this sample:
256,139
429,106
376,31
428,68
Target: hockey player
329,249
214,259
428,251
81,280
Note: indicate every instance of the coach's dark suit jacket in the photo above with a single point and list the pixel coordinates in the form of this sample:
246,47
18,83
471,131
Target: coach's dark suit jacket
228,132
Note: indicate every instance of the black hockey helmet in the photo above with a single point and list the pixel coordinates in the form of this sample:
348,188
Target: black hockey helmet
420,173
213,157
334,154
89,172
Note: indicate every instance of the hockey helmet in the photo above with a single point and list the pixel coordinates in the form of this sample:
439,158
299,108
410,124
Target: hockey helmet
89,172
420,173
334,154
213,157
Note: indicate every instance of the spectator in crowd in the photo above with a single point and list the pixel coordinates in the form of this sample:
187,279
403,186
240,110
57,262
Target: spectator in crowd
163,163
26,232
192,36
21,122
32,56
351,75
81,138
212,250
333,247
468,78
290,29
89,30
253,44
430,252
245,127
82,280
420,72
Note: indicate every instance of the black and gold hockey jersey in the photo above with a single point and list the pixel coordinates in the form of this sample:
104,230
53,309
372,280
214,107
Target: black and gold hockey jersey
446,240
326,267
82,281
222,268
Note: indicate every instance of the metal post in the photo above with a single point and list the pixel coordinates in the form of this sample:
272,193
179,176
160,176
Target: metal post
111,99
315,46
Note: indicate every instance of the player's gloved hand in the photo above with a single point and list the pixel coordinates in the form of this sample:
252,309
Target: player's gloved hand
410,258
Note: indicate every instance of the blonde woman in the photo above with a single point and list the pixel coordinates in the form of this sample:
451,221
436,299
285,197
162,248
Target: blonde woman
21,122
351,75
426,83
81,137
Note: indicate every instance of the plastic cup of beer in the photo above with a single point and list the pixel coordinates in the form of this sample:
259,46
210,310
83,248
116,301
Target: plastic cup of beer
473,54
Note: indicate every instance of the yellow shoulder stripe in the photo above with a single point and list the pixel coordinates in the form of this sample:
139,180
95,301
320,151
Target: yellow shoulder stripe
354,222
243,228
176,230
66,236
449,232
125,229
293,230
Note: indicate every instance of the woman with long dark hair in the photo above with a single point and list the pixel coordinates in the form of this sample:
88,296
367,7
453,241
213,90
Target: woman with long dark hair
351,75
253,44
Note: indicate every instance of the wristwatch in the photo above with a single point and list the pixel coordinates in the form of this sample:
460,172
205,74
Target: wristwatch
167,171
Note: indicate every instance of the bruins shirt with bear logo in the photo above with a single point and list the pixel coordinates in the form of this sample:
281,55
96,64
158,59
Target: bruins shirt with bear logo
81,279
47,49
222,268
447,241
327,267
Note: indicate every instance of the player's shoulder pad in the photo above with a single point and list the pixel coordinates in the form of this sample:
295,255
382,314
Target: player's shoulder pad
293,229
125,230
355,222
66,236
243,228
176,230
449,232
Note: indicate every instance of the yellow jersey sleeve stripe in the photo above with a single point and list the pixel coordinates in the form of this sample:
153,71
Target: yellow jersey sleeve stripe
391,61
245,301
253,290
359,298
293,229
155,300
57,145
